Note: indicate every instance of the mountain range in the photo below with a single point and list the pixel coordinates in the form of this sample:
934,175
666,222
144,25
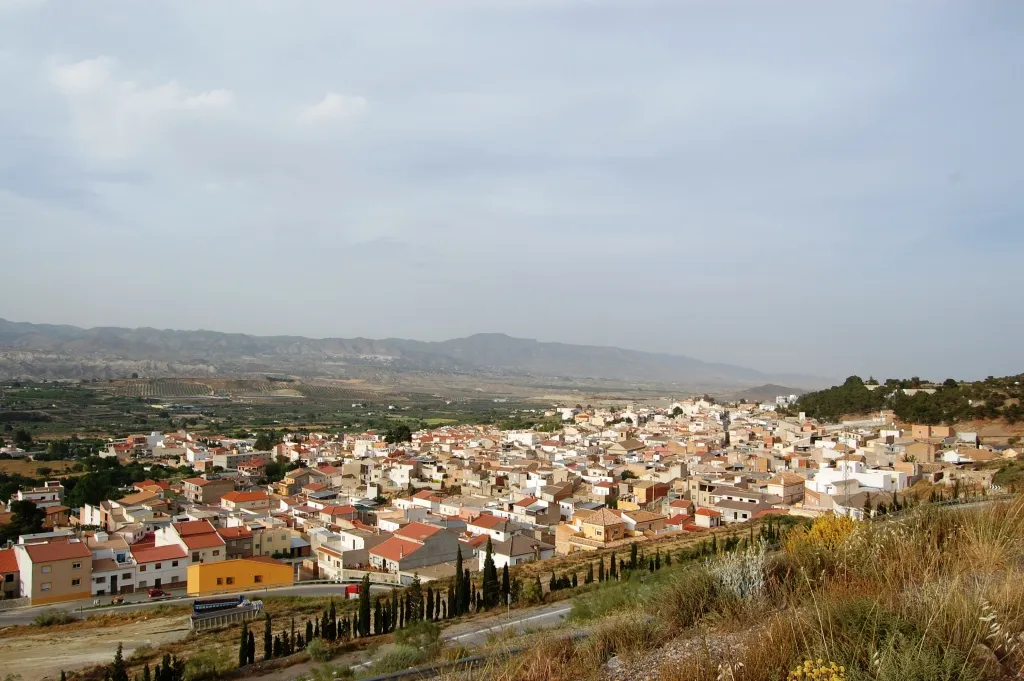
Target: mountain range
44,351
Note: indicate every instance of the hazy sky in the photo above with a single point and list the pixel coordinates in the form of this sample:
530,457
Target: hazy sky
826,187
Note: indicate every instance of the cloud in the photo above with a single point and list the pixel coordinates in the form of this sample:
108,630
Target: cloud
116,118
333,107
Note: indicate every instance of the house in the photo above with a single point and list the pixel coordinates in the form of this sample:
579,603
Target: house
787,486
603,525
206,492
237,541
237,575
56,516
706,517
293,481
415,545
199,539
493,526
249,501
50,494
162,567
254,468
647,491
10,581
56,571
643,521
331,515
518,549
626,447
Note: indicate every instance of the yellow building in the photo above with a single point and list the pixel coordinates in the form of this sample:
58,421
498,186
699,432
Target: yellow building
241,574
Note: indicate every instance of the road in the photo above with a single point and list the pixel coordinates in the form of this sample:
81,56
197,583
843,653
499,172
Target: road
136,602
479,631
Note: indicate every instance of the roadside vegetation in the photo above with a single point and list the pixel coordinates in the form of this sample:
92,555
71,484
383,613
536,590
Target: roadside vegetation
931,594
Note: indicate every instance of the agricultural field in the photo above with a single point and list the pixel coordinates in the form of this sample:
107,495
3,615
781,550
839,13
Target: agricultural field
158,388
29,469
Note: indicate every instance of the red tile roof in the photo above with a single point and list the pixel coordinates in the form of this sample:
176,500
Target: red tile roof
198,534
395,549
8,561
152,554
338,510
709,512
57,550
417,531
235,532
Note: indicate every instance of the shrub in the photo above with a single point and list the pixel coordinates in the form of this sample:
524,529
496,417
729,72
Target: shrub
52,618
208,664
423,635
688,597
818,671
396,658
626,634
318,650
742,574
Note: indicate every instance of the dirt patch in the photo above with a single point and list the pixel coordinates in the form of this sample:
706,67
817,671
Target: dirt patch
28,468
42,656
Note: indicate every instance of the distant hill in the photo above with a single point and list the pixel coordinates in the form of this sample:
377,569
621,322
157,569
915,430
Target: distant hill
42,351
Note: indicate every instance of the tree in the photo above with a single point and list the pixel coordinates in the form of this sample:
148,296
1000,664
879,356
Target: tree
22,438
27,519
398,434
490,585
600,569
458,581
264,441
250,649
415,597
612,569
467,588
364,606
309,631
575,580
243,645
677,411
378,618
632,557
119,672
268,638
627,475
506,586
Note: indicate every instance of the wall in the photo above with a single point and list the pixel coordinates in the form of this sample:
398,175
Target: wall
238,575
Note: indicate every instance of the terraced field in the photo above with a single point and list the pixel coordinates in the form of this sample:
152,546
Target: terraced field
160,388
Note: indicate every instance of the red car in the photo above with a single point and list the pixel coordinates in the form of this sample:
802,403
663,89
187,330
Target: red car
157,593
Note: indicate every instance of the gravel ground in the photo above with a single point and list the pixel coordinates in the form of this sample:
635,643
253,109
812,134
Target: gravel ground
646,667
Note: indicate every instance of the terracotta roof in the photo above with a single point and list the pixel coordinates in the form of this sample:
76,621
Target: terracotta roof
198,482
395,549
56,510
57,550
709,512
477,541
603,517
642,516
488,522
152,554
8,561
198,534
417,531
314,486
526,502
338,510
192,527
242,497
240,532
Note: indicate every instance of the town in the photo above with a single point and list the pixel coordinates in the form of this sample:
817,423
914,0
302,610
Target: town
400,506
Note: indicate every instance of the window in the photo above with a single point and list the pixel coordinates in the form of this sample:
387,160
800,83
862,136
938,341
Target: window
45,586
9,578
258,579
46,569
142,568
157,566
174,563
195,556
220,580
283,537
142,583
76,582
257,547
127,576
216,552
231,580
76,566
100,580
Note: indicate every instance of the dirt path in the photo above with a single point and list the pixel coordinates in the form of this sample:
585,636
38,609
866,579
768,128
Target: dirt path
42,656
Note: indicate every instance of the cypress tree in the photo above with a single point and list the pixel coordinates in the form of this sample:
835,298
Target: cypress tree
394,608
363,627
278,651
668,559
612,569
506,585
444,609
401,614
575,581
600,570
291,639
316,628
632,556
378,621
553,583
64,677
309,631
146,674
250,648
268,641
332,612
430,604
415,600
120,671
458,579
490,579
243,645
589,579
657,560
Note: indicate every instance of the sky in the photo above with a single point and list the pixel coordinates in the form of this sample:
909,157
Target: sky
795,186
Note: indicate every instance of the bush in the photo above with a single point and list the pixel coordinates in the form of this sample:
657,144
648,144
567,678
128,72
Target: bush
742,574
53,617
396,658
318,650
208,664
422,635
626,634
688,597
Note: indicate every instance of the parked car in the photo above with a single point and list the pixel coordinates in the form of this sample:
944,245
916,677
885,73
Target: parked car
157,593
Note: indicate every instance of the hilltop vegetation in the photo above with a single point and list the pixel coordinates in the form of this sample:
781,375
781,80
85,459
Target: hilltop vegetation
951,402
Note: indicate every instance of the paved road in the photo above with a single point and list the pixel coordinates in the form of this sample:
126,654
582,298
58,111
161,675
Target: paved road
136,602
479,631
